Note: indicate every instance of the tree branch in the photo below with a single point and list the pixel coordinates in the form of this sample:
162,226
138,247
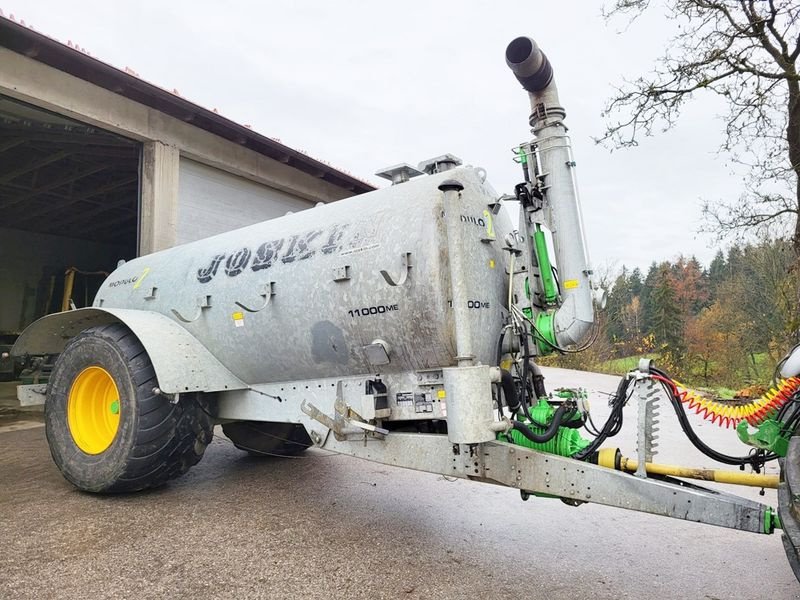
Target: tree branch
757,23
771,26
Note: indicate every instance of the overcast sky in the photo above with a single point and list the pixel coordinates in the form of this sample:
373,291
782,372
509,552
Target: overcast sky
364,85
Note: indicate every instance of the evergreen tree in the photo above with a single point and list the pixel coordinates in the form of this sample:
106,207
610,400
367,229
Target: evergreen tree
667,316
646,297
716,274
752,293
735,261
618,299
635,282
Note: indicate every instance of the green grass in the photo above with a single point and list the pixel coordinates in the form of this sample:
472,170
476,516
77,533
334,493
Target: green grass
620,366
724,393
762,365
760,372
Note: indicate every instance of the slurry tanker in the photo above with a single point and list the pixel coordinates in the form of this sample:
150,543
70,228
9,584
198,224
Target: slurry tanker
401,326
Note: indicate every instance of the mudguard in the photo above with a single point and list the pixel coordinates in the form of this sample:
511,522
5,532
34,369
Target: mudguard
181,362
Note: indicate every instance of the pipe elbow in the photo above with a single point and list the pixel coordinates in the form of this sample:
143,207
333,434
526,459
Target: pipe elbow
574,334
573,321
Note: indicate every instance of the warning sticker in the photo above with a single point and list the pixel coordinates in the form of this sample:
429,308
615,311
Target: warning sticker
238,319
422,404
403,397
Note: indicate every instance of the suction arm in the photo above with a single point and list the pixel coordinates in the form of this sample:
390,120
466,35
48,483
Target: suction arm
568,320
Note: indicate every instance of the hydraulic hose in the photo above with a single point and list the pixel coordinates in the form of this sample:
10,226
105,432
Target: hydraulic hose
513,400
525,366
500,345
509,390
538,380
613,424
549,433
755,460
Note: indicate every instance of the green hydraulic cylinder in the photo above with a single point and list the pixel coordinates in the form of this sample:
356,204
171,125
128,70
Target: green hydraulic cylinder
545,267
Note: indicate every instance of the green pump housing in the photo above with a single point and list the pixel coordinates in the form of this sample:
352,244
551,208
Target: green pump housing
567,442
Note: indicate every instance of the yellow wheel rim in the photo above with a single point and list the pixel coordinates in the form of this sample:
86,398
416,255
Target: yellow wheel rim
93,410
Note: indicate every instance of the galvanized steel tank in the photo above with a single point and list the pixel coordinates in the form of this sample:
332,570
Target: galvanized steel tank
324,292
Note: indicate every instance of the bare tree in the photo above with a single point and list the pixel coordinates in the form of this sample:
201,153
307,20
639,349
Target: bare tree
745,51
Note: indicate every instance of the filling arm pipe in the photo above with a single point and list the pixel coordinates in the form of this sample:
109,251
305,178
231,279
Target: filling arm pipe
572,320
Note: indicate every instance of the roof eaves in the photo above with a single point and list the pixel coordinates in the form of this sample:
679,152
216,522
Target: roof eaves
72,59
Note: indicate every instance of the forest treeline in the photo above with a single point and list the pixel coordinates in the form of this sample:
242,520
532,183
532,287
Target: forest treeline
725,324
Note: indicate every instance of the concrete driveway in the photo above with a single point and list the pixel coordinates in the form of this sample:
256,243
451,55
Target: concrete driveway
325,526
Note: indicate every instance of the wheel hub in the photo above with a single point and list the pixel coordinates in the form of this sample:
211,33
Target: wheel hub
93,410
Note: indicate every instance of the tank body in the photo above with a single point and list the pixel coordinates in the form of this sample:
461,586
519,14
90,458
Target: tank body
303,296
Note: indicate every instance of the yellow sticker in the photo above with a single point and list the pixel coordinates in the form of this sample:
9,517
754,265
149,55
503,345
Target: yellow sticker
571,284
487,215
238,319
491,263
441,394
141,277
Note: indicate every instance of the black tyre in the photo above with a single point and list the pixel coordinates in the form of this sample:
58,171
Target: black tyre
107,430
268,439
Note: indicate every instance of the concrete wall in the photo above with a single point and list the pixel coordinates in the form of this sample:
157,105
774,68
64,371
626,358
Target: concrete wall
26,257
158,216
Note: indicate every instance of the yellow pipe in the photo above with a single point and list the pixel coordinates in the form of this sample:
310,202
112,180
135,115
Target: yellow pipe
608,458
718,475
69,281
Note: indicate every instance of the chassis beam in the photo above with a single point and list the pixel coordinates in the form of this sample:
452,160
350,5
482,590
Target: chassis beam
513,466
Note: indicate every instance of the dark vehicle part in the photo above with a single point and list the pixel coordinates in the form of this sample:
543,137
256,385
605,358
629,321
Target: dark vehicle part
268,439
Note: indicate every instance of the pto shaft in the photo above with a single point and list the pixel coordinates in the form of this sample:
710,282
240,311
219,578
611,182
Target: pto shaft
610,458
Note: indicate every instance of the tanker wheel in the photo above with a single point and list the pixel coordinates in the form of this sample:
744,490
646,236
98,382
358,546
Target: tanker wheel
107,430
260,438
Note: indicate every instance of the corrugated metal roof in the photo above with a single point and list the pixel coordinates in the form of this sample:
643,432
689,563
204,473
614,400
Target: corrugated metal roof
74,60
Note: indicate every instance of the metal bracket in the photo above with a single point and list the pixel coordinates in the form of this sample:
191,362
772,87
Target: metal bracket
266,291
173,398
319,416
203,303
342,424
647,421
405,261
341,273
